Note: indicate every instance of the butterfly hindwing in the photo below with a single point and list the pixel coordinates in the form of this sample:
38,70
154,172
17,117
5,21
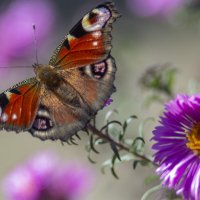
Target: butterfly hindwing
58,117
18,105
89,41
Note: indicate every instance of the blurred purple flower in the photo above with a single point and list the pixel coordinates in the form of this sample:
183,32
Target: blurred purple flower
148,8
44,177
17,36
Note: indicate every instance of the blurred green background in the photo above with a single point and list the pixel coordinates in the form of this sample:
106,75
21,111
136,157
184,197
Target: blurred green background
138,43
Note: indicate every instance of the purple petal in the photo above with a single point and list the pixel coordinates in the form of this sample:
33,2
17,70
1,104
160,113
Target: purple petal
108,102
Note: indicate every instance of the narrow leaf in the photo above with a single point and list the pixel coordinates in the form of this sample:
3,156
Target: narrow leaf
109,123
113,166
138,139
109,114
107,163
135,163
114,173
115,150
90,159
92,144
128,121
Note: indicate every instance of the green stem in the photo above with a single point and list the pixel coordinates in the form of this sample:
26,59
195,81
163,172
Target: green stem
120,145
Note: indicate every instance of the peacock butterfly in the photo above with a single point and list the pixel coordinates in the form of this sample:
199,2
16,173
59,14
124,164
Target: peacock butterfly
66,93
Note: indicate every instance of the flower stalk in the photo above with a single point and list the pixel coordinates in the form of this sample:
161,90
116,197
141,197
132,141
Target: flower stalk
121,146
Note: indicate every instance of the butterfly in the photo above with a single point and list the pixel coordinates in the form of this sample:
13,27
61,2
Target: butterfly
66,93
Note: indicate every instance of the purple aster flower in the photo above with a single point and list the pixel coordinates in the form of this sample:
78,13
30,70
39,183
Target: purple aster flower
45,177
178,146
17,36
147,8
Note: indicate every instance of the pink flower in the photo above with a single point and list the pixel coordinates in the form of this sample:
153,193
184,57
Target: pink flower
45,177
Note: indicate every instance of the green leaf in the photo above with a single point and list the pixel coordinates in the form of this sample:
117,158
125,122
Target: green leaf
127,157
115,156
128,121
138,139
109,123
128,141
115,150
135,163
90,159
137,145
107,163
140,144
109,114
100,141
92,144
144,162
141,162
110,162
114,173
114,132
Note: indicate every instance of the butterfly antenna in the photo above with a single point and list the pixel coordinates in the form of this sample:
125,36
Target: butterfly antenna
12,67
35,41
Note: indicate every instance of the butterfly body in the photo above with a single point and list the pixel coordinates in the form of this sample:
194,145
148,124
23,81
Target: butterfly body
66,93
45,74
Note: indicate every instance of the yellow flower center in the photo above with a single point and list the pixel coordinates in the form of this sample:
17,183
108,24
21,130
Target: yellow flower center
193,137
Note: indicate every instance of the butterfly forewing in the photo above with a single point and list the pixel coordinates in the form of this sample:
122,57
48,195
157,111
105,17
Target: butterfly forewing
18,105
89,41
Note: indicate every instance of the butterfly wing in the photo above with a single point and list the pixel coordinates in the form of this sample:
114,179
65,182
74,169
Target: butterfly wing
18,106
84,58
94,83
89,41
56,119
85,71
